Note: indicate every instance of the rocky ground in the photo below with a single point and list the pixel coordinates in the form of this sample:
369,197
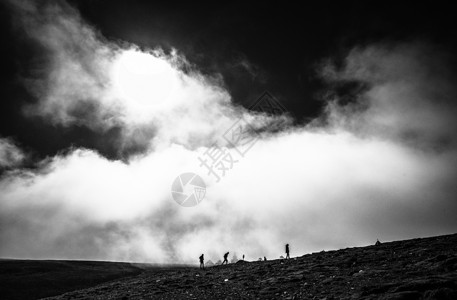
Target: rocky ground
412,269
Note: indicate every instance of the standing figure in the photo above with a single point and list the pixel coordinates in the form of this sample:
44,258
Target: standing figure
287,251
202,262
243,257
225,258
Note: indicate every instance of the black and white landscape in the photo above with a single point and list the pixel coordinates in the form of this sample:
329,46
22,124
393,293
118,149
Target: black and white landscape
136,136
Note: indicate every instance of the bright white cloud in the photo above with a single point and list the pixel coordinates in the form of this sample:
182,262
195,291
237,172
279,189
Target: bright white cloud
145,82
411,93
344,184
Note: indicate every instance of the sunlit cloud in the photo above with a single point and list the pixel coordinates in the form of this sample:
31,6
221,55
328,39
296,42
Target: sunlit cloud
380,167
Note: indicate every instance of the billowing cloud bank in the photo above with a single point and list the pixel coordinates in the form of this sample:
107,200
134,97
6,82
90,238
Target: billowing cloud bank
382,166
10,154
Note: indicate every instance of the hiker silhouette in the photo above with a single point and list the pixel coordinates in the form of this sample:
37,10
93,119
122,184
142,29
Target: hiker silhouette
243,257
202,263
225,258
287,251
264,258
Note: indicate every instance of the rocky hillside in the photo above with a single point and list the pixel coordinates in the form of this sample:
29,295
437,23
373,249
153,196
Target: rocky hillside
412,269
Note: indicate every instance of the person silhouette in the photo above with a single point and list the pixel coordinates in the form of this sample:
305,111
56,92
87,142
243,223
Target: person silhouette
287,251
225,258
264,258
202,263
243,257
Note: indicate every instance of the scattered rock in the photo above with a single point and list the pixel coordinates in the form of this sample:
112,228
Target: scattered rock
441,294
390,271
406,295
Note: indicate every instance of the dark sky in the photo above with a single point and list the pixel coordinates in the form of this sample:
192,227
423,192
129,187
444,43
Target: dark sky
283,45
95,127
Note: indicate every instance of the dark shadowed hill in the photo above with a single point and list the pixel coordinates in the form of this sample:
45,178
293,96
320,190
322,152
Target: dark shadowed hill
32,279
412,269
